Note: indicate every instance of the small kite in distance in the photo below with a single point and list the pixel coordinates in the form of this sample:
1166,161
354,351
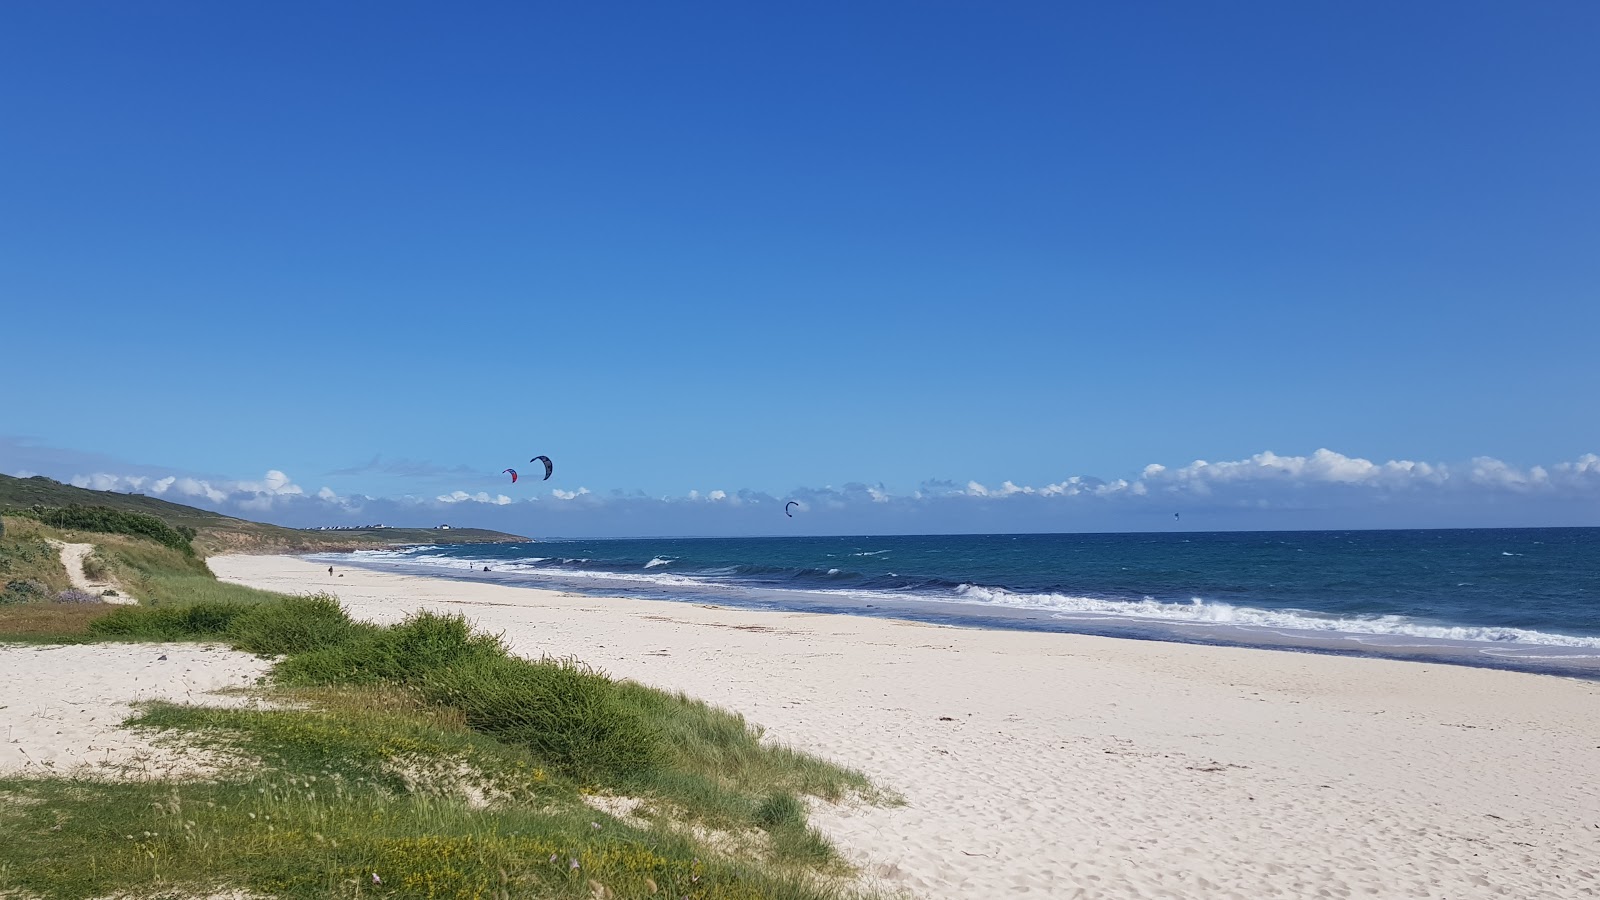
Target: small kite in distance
548,466
786,508
513,475
1177,517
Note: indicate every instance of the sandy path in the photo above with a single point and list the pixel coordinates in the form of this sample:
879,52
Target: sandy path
1074,766
72,556
61,708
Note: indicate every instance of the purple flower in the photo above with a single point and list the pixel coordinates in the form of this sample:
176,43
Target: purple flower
573,864
376,879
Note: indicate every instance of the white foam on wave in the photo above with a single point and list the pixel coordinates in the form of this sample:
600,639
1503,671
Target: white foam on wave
1512,653
659,561
1202,612
870,553
400,553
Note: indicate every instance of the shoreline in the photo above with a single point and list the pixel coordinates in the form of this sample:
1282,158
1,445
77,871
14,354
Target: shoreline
1058,763
1542,659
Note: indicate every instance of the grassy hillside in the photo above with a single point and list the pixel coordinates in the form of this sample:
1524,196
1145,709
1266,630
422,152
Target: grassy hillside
217,533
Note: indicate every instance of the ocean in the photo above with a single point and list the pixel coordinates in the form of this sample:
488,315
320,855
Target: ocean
1526,598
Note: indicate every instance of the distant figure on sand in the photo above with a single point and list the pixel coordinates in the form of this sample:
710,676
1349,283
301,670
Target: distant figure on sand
330,570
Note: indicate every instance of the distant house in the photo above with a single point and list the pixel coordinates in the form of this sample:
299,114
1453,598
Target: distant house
443,528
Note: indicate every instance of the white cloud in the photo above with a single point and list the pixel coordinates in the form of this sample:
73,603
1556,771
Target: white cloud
479,497
559,494
1321,470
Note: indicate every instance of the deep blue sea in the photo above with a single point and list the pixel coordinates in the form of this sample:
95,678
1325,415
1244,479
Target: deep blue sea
1512,598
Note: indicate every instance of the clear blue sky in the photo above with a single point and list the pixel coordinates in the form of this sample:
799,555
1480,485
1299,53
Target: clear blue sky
726,246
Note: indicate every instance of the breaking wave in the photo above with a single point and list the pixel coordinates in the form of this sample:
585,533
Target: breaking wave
1204,612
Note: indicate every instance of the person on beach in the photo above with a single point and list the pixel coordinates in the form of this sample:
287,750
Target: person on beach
330,570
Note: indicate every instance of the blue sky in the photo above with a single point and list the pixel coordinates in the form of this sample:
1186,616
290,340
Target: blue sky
390,249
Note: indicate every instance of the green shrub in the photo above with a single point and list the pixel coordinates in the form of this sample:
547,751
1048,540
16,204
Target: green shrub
291,625
780,810
107,520
24,590
569,715
169,622
402,654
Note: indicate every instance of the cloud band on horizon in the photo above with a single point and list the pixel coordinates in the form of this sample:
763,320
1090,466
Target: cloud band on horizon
1265,482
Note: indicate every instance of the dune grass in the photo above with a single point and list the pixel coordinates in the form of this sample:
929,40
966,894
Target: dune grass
30,568
50,623
337,799
423,752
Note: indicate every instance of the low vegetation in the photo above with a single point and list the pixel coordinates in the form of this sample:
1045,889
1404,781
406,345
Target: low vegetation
108,520
30,566
415,760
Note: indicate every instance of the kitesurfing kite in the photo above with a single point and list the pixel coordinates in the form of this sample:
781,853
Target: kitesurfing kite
548,466
1177,516
786,508
513,475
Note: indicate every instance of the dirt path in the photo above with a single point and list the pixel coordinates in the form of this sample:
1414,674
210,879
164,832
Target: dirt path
72,556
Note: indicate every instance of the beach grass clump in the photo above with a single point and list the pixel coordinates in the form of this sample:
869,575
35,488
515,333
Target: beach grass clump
205,620
407,653
567,714
96,567
28,557
780,810
291,625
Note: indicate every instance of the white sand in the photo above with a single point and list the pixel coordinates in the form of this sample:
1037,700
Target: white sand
1075,766
61,708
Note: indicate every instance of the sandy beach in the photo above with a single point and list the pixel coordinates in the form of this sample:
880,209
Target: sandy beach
1075,766
61,708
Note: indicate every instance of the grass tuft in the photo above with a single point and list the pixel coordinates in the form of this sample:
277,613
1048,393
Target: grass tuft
291,625
780,810
403,654
177,622
566,713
